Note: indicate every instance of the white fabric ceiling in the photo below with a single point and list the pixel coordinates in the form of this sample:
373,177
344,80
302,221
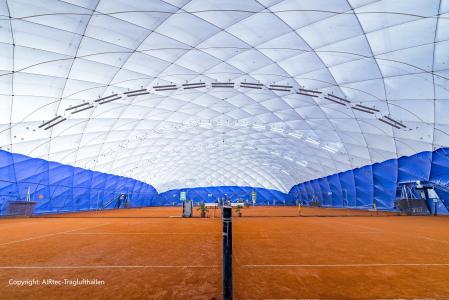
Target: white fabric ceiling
361,62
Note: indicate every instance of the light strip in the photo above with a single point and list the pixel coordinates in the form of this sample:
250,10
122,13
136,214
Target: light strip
164,86
166,89
281,86
280,130
296,135
54,124
83,109
364,110
194,84
302,163
110,100
104,98
389,123
309,91
312,141
367,108
396,122
339,98
76,106
335,101
305,94
252,83
138,94
48,122
223,84
279,89
257,126
330,149
135,91
251,87
194,87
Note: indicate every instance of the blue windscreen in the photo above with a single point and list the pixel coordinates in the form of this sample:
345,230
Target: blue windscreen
377,184
214,193
57,187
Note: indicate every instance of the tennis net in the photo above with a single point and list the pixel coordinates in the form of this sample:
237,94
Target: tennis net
307,211
215,212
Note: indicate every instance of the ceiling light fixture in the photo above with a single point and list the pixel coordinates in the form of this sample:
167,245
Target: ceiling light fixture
257,126
339,98
305,94
188,86
396,122
388,123
138,94
281,86
277,87
392,122
110,100
82,109
48,122
104,98
135,91
366,108
330,149
296,135
54,124
302,163
251,85
335,101
280,130
168,87
312,141
310,93
77,106
363,109
222,84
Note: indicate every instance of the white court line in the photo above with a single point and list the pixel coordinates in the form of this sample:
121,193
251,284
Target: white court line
346,265
298,232
113,267
24,222
141,233
396,233
50,234
434,240
360,226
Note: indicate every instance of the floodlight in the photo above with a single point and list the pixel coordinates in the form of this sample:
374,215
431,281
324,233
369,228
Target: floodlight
82,109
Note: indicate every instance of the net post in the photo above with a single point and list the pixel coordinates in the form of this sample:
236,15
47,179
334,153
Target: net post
227,253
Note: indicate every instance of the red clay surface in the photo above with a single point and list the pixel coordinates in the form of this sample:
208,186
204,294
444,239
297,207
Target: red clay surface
143,254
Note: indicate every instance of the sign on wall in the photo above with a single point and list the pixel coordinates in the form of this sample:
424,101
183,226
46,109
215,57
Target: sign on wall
253,197
183,196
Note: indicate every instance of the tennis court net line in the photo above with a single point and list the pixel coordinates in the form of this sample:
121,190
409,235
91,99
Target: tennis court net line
215,213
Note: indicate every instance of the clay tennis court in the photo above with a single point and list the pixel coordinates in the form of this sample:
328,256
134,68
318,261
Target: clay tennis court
151,253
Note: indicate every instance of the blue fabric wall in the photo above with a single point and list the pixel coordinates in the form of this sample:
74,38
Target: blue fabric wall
62,188
59,188
378,183
211,194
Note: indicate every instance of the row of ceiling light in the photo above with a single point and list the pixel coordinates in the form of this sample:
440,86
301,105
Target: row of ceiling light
87,105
